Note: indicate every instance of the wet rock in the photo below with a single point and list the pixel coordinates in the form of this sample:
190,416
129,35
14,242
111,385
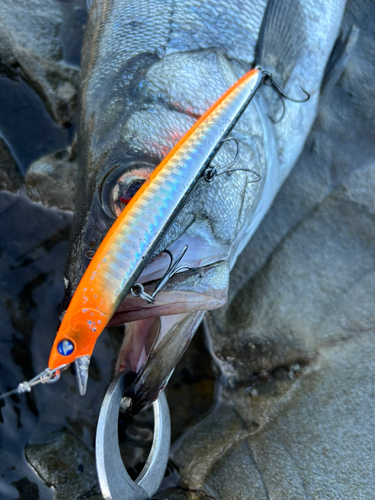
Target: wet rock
172,495
26,489
294,345
26,126
31,47
318,445
33,245
67,465
191,388
10,176
52,179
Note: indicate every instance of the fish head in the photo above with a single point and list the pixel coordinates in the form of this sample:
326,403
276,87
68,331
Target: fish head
122,142
134,109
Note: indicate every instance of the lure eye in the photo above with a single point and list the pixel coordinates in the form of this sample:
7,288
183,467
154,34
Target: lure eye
120,185
65,347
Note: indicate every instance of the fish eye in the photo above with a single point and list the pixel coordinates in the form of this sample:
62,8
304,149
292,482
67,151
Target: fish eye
120,184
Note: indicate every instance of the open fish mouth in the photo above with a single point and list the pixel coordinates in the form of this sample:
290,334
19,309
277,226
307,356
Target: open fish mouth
157,334
199,289
202,286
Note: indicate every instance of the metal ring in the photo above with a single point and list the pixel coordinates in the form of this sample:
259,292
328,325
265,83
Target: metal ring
138,290
115,483
210,173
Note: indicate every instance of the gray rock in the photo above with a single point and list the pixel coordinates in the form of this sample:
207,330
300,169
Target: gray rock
52,179
31,47
10,175
318,442
67,465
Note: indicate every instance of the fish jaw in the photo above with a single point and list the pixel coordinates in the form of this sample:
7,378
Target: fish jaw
198,289
167,304
157,335
150,352
186,296
202,289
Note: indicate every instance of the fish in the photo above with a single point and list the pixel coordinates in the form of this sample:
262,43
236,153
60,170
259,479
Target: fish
150,70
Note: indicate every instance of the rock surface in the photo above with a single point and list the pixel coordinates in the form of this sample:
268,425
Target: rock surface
293,349
40,43
67,465
31,47
10,175
52,179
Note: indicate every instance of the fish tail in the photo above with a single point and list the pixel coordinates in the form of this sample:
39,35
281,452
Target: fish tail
281,38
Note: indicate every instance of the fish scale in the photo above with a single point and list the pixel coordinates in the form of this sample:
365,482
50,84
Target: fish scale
131,241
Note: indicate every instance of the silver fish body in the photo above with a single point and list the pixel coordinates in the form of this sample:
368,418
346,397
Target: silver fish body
149,70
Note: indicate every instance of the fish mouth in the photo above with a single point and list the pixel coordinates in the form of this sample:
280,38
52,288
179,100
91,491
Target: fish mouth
157,334
149,353
199,289
203,286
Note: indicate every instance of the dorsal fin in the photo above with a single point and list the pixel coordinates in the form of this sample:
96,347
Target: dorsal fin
281,38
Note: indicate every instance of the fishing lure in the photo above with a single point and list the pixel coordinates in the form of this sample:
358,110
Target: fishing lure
130,243
132,239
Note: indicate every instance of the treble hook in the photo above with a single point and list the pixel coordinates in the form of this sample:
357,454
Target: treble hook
270,82
138,290
212,171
